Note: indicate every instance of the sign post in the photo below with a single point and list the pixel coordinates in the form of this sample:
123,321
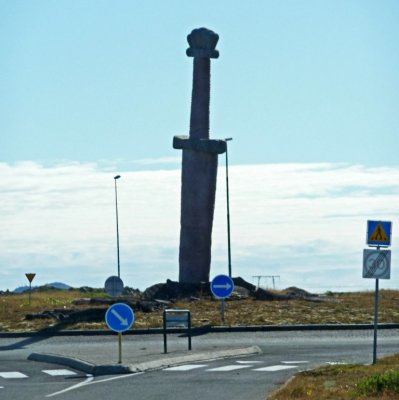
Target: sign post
377,263
221,287
119,318
30,277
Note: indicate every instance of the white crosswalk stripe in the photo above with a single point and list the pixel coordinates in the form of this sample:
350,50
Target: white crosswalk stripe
12,375
294,362
59,372
249,365
228,368
20,375
274,368
250,362
187,367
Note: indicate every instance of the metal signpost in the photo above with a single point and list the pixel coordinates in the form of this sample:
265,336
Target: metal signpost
117,225
221,287
377,263
228,207
175,318
30,277
119,318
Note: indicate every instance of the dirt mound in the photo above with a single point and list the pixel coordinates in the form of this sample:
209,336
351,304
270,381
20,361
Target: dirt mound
175,291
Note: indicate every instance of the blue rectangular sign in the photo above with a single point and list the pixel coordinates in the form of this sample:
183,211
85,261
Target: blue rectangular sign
379,233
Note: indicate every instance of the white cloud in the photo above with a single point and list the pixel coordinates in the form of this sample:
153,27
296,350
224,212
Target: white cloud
304,222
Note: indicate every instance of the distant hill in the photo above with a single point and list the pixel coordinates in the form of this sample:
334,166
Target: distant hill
21,289
58,285
55,285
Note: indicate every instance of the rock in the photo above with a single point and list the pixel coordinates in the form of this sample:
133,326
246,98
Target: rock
128,291
70,316
244,284
297,293
241,292
146,306
80,302
94,300
88,315
43,315
174,290
163,303
263,294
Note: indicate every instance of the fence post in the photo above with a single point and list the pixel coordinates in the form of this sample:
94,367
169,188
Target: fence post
165,346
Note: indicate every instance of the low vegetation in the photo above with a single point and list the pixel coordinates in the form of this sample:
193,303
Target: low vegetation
345,382
333,308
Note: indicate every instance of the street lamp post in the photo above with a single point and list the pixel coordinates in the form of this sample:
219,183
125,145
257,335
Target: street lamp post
228,206
117,225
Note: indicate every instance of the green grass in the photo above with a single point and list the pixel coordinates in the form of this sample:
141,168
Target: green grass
345,382
377,384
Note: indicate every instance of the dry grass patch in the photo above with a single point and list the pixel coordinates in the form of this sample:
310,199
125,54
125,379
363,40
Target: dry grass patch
344,308
345,382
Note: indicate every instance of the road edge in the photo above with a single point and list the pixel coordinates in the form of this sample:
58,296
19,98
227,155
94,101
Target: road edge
162,362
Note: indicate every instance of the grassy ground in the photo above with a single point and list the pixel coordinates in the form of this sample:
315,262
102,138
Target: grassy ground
340,309
345,382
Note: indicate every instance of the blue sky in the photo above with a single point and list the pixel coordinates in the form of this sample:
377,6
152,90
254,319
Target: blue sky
307,89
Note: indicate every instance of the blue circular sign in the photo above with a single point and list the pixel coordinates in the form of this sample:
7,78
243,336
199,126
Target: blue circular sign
222,286
119,317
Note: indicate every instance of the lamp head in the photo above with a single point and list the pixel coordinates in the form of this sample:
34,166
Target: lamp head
228,139
117,177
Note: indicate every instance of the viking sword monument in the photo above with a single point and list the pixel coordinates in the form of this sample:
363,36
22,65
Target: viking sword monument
199,166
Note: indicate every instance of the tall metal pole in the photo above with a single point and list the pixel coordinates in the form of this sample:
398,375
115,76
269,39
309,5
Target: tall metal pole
375,321
30,293
117,225
228,206
375,318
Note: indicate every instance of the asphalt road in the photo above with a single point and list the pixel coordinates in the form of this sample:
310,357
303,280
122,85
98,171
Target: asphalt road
251,377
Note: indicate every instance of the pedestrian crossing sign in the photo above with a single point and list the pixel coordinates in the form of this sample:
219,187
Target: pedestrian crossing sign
379,233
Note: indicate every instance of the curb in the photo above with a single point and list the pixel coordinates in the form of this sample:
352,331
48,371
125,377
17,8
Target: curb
110,369
200,356
203,330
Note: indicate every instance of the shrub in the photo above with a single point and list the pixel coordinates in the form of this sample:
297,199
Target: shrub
388,381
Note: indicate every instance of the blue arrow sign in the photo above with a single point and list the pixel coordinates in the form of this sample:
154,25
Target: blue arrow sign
119,317
222,286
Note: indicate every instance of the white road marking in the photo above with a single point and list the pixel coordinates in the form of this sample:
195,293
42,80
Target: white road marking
294,362
89,381
249,362
58,372
115,378
274,368
336,363
187,367
12,375
228,368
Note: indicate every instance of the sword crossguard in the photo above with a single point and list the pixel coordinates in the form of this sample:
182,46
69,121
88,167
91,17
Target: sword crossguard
214,146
